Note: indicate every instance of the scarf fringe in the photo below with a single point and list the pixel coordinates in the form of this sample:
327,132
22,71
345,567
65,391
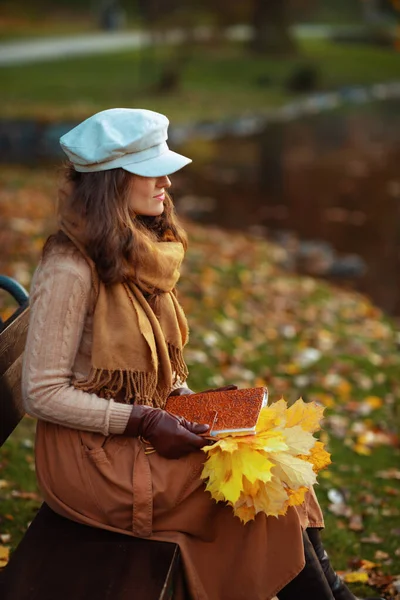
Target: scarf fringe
136,387
178,363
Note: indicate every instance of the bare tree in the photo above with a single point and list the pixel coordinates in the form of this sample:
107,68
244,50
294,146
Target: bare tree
270,21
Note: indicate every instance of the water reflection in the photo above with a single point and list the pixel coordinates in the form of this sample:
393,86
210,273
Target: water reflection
333,177
318,182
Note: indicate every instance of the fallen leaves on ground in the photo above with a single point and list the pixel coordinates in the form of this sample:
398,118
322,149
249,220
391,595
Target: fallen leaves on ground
254,324
368,572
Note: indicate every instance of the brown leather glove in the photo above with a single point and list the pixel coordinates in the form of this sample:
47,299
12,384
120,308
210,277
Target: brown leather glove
170,436
182,391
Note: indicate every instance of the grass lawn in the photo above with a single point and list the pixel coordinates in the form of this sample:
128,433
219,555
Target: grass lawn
216,82
254,324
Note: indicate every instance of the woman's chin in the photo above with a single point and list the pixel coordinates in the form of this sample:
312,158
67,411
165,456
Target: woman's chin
157,213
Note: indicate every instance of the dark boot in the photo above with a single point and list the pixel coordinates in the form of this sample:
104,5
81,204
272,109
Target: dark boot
339,588
310,583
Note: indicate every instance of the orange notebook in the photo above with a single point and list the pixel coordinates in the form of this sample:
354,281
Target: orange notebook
227,412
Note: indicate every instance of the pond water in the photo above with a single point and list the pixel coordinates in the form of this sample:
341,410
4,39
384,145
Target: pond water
333,177
330,178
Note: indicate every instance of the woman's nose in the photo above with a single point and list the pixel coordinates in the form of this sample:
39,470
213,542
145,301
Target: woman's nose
163,182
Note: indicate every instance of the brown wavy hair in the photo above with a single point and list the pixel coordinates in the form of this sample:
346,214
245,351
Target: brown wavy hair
101,200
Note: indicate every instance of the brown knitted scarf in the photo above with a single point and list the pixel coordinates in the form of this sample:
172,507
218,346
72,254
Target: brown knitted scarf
137,344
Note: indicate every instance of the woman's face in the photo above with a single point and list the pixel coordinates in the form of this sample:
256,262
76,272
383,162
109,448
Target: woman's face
147,195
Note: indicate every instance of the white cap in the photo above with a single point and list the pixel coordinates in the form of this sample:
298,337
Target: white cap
131,138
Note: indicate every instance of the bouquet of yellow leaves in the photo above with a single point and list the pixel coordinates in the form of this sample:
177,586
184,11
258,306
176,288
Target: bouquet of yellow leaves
271,470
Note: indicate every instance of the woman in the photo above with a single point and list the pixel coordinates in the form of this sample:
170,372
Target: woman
104,352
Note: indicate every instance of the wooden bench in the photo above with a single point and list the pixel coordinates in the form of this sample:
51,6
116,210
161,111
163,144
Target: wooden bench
58,559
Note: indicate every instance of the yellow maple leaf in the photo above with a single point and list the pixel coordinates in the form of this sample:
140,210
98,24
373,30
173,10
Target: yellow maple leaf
327,400
4,555
269,441
343,389
212,486
254,465
250,489
293,471
298,440
318,457
245,513
271,470
225,444
356,577
291,368
374,402
367,565
232,483
362,448
272,499
296,497
272,416
216,469
307,415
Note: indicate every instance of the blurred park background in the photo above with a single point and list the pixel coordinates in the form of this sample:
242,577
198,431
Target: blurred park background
290,111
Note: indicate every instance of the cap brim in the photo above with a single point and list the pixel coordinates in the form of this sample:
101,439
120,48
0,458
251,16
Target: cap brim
165,164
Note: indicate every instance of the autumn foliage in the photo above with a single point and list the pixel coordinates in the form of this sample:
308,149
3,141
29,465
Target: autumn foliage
271,470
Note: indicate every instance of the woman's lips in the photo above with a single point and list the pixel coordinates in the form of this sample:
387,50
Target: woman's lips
161,197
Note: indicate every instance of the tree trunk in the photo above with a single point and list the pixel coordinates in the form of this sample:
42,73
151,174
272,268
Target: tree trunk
271,34
371,11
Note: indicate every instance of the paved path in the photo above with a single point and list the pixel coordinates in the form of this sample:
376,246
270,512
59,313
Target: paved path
55,48
46,49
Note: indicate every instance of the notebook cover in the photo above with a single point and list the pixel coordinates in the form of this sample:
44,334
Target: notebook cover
232,411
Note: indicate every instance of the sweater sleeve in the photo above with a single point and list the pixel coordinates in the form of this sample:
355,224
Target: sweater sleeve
59,304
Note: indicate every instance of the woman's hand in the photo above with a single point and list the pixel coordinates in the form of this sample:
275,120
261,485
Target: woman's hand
170,436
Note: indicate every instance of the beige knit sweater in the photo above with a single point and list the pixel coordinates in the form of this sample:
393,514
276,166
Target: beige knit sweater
59,345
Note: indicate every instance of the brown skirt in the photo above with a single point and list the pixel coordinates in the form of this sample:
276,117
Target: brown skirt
109,482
